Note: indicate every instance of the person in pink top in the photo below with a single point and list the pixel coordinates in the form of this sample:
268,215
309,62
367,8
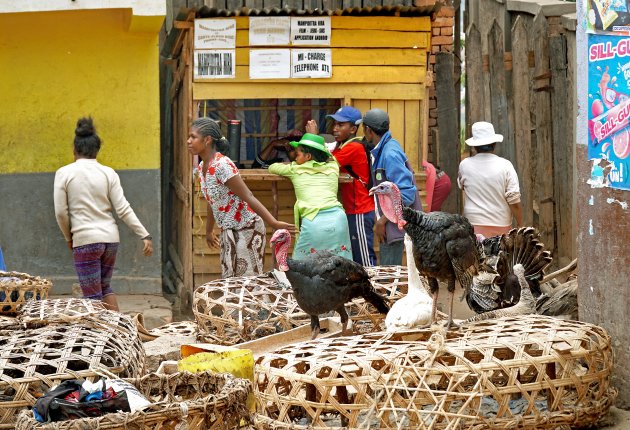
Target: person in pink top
490,185
231,204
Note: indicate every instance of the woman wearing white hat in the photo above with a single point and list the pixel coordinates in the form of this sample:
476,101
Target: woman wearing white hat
490,185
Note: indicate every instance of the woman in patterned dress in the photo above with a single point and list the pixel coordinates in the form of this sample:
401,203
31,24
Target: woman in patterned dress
231,204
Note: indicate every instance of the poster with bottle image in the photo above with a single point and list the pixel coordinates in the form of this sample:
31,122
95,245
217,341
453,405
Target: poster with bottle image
609,110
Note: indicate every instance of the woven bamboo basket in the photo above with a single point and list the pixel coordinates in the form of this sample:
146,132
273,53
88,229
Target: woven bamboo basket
41,312
33,360
192,401
240,309
180,328
17,288
532,372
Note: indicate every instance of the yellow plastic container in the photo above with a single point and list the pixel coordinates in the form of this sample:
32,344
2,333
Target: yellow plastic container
239,363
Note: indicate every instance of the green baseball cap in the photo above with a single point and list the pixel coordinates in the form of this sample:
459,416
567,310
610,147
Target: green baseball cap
312,140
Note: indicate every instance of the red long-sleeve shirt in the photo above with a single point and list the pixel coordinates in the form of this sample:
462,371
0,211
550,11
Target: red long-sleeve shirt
354,195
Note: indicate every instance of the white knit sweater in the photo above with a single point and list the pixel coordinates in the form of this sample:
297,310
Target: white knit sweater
85,193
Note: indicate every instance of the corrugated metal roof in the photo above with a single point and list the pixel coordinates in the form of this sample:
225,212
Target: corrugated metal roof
379,10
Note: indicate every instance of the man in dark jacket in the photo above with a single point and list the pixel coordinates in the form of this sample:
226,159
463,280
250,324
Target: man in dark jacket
389,163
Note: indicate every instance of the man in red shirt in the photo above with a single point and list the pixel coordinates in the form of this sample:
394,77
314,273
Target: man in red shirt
353,160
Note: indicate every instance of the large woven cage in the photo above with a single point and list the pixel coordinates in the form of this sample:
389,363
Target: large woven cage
531,372
49,347
240,309
17,288
192,401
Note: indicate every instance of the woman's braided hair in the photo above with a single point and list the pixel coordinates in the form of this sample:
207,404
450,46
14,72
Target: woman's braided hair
208,127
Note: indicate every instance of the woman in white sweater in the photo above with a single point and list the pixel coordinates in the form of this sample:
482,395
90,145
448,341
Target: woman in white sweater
86,193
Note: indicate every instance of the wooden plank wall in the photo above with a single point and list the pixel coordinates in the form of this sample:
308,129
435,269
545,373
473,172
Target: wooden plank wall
378,62
531,97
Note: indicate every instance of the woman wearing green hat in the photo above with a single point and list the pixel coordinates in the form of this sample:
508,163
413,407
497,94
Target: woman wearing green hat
318,212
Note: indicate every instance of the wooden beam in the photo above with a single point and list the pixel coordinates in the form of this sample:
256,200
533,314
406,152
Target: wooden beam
362,57
363,39
543,178
340,74
522,117
183,24
252,90
447,105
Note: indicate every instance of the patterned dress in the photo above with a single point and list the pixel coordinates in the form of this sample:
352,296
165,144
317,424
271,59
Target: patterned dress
242,231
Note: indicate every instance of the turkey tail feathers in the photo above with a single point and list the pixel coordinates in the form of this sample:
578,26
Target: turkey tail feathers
524,247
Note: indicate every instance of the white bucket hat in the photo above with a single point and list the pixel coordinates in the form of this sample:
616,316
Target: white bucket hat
483,134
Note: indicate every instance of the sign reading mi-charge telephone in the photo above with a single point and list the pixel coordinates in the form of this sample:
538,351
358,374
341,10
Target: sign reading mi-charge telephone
311,63
310,30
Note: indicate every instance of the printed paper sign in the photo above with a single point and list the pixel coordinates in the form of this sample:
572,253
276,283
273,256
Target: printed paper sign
311,63
269,30
310,30
214,64
215,33
269,63
609,110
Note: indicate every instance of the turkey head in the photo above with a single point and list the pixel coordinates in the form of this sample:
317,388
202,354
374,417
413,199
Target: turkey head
390,200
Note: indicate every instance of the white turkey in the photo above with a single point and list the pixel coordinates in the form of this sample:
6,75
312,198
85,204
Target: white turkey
445,247
415,309
324,282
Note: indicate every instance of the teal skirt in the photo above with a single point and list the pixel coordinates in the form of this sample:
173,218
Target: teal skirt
327,231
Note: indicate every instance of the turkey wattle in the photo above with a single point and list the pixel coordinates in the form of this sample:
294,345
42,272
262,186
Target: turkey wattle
445,247
324,282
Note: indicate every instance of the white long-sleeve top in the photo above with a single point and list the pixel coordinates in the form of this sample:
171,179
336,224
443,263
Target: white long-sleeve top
85,193
490,185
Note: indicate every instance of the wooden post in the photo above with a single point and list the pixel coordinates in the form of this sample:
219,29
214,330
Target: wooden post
447,105
475,94
498,92
563,147
522,119
543,173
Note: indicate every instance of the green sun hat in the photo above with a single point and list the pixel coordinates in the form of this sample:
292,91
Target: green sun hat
312,140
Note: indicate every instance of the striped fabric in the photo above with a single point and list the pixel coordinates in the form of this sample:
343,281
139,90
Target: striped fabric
266,119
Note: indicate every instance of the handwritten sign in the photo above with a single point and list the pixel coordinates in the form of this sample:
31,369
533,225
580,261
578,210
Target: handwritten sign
269,30
310,30
311,63
269,63
215,33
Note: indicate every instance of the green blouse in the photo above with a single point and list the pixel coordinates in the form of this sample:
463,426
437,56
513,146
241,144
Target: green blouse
315,186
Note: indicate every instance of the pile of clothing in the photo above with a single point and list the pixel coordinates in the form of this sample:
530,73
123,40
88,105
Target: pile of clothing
74,399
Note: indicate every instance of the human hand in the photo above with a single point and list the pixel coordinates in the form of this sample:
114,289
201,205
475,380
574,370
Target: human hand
147,250
70,244
379,229
284,225
212,240
281,144
311,127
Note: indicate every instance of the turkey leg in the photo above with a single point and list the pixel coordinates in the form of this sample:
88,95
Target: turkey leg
434,289
314,326
344,320
451,295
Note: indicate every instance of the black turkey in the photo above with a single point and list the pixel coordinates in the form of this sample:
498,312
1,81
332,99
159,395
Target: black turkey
324,282
497,287
445,247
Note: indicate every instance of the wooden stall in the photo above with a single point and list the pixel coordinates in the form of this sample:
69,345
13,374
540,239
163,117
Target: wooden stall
378,60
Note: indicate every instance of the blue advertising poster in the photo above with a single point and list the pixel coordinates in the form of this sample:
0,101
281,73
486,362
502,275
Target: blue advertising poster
609,110
611,16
